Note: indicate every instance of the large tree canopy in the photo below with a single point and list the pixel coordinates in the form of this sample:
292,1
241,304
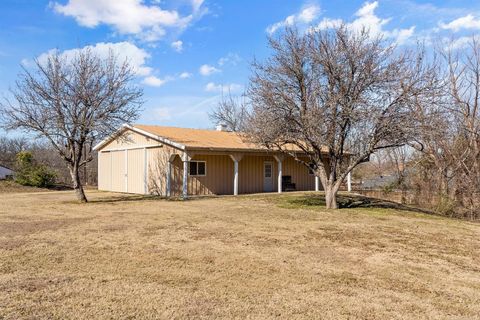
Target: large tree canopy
339,91
73,102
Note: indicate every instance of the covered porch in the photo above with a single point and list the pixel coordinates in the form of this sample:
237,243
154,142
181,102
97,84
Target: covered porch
200,172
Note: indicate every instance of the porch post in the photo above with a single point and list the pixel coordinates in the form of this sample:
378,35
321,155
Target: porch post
317,183
185,158
236,159
349,182
235,177
279,159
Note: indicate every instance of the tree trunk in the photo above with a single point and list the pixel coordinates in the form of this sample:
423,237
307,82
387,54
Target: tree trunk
77,184
331,197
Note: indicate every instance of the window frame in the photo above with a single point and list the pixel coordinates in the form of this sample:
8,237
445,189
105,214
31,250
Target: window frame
197,175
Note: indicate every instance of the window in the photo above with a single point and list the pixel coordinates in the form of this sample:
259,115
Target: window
268,170
197,168
311,169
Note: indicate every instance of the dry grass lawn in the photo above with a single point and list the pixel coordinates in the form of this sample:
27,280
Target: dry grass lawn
252,257
8,186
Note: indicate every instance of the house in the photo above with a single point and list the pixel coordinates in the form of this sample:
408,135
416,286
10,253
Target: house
179,162
5,173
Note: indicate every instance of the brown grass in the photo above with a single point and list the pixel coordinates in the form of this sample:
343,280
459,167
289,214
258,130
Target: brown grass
9,186
254,257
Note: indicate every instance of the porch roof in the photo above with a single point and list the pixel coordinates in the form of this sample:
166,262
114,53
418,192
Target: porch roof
195,139
203,139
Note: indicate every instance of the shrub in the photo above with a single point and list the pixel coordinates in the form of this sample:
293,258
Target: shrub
29,173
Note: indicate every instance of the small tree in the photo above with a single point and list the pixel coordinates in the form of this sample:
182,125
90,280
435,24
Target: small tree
29,173
338,95
73,102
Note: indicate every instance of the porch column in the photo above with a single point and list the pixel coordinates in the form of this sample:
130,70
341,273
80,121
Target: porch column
185,158
236,159
317,183
349,182
168,191
279,159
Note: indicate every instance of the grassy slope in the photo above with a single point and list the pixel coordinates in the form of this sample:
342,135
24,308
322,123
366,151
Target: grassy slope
255,256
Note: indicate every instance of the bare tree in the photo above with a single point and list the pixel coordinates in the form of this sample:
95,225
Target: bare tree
231,112
9,148
450,135
339,96
73,102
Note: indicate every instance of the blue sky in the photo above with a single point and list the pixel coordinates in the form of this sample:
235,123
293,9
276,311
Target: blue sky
188,52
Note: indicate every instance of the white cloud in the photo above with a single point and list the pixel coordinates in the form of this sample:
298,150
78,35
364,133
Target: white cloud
328,23
185,75
197,5
231,58
206,70
154,81
131,17
177,45
124,51
305,16
232,87
466,22
366,18
402,35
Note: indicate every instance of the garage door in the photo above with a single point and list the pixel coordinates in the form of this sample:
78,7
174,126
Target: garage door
136,172
118,171
104,171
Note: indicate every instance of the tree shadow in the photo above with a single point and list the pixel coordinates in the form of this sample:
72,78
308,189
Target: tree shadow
151,197
355,201
126,198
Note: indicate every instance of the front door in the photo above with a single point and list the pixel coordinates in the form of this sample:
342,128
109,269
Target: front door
268,176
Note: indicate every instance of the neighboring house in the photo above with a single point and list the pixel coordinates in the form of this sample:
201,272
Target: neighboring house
177,161
5,173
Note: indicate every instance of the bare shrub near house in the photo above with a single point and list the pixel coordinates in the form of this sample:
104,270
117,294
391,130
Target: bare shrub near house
157,173
73,102
337,88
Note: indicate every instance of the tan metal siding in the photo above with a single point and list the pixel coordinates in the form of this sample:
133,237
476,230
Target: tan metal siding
104,172
135,175
157,169
219,177
118,171
129,139
299,173
250,173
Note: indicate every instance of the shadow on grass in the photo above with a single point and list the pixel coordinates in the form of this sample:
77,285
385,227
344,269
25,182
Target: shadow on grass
140,197
353,201
125,198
